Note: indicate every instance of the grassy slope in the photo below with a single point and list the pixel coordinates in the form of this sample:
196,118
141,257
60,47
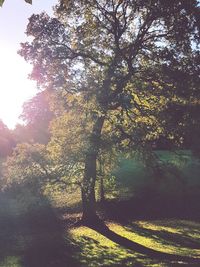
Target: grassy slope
92,249
40,242
35,242
175,237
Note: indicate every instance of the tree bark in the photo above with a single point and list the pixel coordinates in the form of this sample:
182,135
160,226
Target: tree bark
101,185
102,192
88,186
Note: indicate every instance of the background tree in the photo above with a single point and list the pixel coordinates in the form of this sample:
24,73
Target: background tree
35,166
115,55
37,115
7,144
7,141
27,165
184,106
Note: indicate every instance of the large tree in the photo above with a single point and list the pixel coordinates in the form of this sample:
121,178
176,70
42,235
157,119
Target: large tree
117,57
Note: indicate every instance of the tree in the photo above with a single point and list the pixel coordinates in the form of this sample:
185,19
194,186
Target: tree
7,144
116,56
7,141
34,165
27,161
37,115
184,108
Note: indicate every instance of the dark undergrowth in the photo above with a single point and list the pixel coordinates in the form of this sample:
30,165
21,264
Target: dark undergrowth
36,238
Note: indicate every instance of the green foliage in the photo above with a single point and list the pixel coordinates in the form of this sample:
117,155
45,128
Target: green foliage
126,75
36,115
28,164
178,175
69,131
133,173
7,141
34,165
115,66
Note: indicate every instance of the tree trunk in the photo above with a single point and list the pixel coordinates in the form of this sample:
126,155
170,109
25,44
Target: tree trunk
101,186
88,190
88,187
102,193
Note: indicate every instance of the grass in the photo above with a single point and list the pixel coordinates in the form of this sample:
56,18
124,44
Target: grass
11,261
40,240
33,238
94,249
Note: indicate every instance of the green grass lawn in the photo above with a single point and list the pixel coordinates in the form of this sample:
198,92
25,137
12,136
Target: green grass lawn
44,244
172,236
37,238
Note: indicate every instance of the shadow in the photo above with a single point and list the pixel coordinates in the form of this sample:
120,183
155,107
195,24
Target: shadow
92,253
8,231
164,237
153,207
151,253
35,238
49,246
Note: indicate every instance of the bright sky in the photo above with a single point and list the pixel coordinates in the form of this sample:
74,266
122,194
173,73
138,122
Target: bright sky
15,87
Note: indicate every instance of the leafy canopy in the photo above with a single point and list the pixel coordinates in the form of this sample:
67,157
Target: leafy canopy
125,57
116,65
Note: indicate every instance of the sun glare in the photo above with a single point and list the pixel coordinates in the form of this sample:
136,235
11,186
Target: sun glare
15,88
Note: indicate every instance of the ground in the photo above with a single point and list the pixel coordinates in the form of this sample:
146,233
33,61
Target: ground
44,240
41,231
172,236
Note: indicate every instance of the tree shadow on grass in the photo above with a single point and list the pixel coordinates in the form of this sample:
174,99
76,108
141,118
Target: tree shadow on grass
179,239
149,252
92,253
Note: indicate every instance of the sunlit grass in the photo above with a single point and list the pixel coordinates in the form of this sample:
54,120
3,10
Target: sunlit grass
11,261
154,241
157,227
182,227
94,249
90,248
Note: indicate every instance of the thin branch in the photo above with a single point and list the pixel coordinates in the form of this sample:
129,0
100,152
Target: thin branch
75,54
